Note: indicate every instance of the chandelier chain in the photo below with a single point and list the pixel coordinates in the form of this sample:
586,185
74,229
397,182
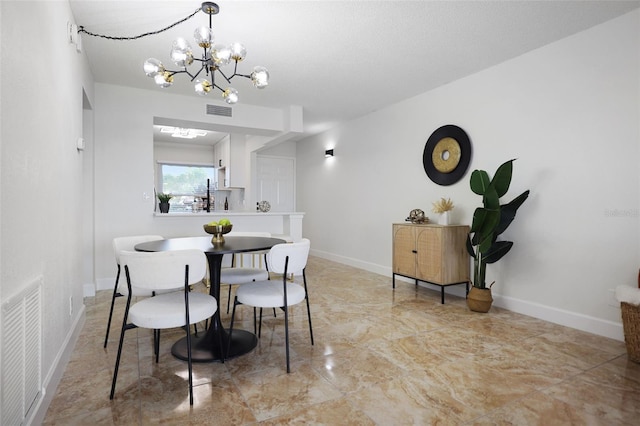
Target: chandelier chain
81,29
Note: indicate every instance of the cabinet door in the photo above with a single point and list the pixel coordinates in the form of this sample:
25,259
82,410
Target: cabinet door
225,152
429,258
404,250
456,265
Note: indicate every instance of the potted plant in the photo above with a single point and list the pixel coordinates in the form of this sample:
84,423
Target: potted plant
164,202
489,221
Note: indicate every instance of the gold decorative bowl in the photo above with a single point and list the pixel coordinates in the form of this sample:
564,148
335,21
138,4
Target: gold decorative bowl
217,231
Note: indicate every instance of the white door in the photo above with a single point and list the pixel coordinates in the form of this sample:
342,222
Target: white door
276,182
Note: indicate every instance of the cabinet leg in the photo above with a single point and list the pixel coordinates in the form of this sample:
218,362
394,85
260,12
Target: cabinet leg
393,280
442,295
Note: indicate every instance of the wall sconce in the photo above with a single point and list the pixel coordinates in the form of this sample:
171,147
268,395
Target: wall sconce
328,153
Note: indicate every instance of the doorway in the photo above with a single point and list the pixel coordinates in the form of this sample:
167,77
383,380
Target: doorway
275,178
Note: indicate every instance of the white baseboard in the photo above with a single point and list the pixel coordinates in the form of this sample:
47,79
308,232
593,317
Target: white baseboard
54,375
88,290
356,263
105,283
575,320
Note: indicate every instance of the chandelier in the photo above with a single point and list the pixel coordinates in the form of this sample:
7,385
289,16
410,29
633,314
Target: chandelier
208,65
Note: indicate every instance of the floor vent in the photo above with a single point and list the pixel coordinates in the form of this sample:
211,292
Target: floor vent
21,354
219,110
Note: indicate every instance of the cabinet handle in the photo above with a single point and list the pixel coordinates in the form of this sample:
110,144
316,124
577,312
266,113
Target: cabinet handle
414,251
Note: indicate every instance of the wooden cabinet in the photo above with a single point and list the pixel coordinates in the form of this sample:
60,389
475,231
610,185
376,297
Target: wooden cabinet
431,253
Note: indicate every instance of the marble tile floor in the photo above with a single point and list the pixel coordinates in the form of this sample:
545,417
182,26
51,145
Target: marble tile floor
381,357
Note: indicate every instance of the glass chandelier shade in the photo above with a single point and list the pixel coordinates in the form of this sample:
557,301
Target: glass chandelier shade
260,77
208,65
204,37
181,53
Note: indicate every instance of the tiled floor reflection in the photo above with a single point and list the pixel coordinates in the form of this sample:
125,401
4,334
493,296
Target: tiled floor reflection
381,357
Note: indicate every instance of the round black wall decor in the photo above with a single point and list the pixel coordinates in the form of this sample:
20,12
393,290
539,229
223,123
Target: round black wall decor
447,155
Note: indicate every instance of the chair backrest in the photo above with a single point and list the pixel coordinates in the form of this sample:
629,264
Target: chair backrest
230,260
298,254
121,244
163,270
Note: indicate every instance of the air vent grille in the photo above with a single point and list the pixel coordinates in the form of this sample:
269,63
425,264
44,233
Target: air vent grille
219,110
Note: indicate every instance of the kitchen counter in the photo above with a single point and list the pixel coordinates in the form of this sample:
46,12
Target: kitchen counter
287,225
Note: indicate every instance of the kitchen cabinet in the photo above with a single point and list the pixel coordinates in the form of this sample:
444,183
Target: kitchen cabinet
221,153
431,253
231,162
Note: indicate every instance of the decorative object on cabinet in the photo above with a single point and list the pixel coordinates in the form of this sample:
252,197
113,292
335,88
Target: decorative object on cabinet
264,206
446,155
433,254
489,221
164,204
417,216
443,207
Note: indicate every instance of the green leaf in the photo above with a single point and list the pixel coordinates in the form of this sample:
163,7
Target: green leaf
479,182
490,199
470,249
479,216
508,212
484,223
502,178
498,249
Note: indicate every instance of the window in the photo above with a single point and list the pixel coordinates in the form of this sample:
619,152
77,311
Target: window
184,182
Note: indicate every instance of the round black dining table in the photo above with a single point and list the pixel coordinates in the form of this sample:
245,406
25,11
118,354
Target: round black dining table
212,345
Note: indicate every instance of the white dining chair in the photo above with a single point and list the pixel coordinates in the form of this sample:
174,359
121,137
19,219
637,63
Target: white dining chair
121,244
165,271
282,259
237,273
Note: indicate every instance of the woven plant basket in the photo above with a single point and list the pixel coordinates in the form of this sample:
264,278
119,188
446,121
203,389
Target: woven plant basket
631,327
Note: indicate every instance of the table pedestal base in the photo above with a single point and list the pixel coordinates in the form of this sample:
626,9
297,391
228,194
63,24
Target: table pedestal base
202,350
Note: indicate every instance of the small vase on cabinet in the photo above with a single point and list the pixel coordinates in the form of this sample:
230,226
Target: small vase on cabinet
444,218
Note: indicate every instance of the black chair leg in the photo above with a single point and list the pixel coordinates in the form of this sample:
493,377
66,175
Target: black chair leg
255,319
229,298
156,343
113,300
306,296
189,362
286,335
115,370
125,327
233,316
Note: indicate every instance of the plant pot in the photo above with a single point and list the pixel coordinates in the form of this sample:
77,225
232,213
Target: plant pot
479,299
164,206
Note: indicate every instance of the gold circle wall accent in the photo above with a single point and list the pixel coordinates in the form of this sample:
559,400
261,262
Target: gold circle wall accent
446,155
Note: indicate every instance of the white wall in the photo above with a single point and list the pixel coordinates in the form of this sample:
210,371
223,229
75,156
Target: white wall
568,112
41,206
124,164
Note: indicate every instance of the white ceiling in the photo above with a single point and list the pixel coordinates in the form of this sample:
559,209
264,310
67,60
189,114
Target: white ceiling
337,59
